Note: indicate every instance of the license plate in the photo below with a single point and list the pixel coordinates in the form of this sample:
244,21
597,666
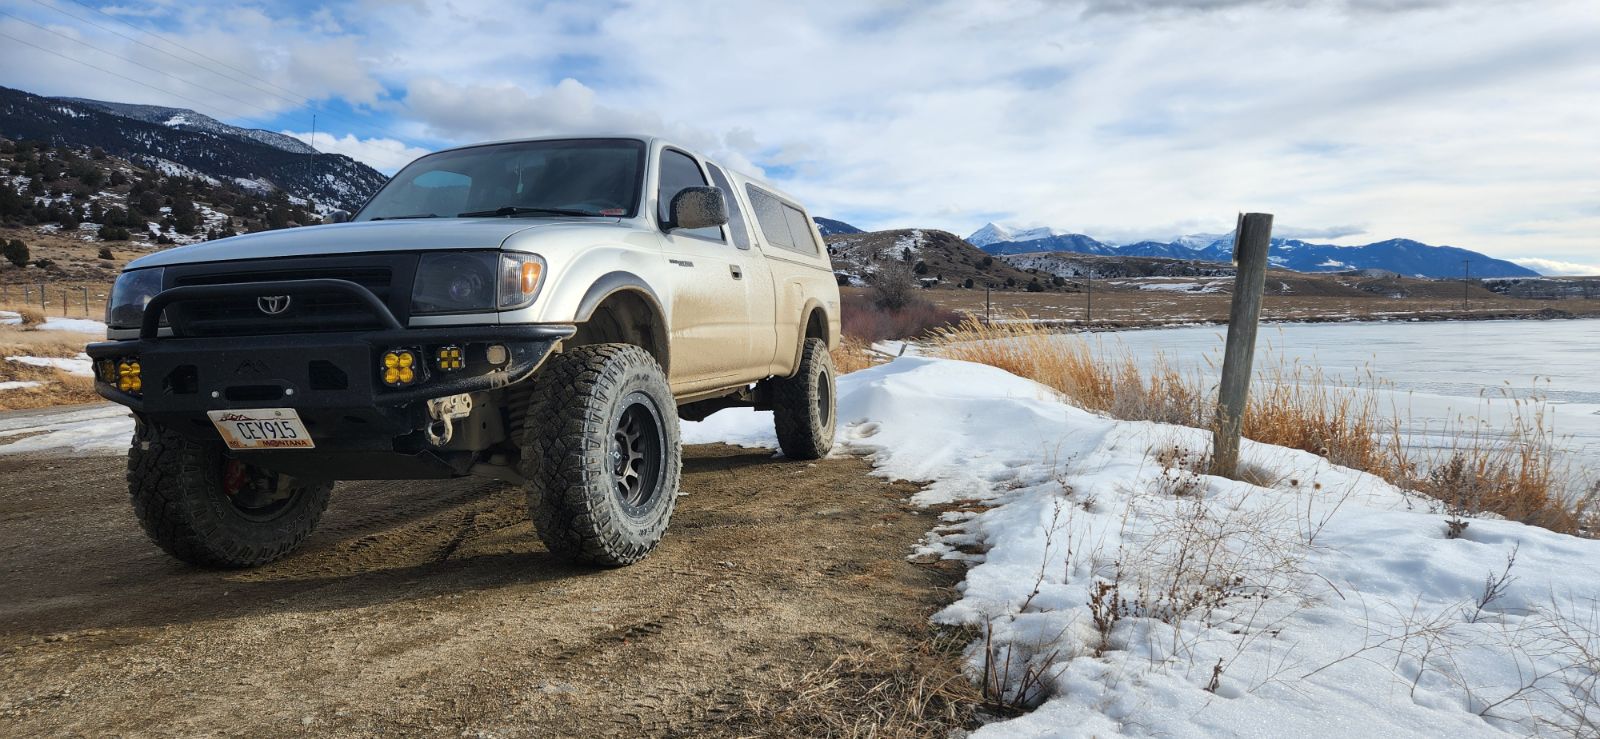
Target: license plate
262,428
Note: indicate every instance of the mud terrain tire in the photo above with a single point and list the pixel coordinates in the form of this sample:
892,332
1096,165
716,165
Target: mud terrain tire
180,489
803,406
601,454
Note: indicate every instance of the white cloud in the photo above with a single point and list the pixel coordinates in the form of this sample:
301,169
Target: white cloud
472,111
230,62
1557,267
1448,122
1444,123
383,154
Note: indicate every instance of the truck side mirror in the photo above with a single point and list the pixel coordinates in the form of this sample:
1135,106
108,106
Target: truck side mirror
339,216
698,207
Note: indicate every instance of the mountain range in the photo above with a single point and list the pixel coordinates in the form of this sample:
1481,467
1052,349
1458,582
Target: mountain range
1401,256
182,142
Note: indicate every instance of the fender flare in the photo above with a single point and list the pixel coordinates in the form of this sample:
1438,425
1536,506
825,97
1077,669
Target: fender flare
610,284
812,306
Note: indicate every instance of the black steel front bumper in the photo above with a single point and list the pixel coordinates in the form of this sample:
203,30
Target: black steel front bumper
333,380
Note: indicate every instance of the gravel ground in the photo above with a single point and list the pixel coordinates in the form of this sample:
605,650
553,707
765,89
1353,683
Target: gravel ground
425,607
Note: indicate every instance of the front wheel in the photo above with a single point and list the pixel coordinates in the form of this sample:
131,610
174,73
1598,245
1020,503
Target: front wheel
209,509
803,405
601,454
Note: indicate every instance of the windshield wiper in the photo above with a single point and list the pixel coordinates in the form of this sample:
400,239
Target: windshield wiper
397,218
518,210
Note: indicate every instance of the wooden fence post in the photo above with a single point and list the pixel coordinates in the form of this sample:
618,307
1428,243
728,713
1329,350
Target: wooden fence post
1251,240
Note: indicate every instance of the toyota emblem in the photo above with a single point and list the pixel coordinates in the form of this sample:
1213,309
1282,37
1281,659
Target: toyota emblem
273,304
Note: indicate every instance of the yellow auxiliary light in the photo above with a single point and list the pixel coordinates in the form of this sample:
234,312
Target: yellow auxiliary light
398,368
448,358
128,378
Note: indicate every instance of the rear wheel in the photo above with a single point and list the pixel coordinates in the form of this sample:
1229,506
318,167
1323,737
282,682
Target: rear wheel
803,405
209,509
601,454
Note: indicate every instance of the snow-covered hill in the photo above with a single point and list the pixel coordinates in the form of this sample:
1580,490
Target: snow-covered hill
188,120
188,139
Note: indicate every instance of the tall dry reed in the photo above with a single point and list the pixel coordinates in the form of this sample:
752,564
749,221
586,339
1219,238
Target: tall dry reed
1510,472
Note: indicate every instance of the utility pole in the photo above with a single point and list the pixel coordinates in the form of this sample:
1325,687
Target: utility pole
987,312
1251,239
1466,275
1088,308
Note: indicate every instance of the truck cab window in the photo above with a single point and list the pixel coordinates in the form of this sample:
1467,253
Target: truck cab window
741,237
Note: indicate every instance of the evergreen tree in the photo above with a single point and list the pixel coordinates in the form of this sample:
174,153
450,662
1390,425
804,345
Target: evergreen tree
16,252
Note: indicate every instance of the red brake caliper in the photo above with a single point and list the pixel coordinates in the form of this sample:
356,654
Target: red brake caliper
233,477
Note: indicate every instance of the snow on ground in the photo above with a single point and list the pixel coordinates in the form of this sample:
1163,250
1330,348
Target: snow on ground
1124,595
1183,287
58,323
81,365
911,242
77,325
18,384
100,429
1135,598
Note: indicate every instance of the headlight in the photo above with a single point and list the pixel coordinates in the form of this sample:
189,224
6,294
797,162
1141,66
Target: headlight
132,291
475,282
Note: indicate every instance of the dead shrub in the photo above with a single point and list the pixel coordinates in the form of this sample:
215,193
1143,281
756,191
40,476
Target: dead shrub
894,286
1018,677
864,319
32,316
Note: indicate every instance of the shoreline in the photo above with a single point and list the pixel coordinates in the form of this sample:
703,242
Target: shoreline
1545,314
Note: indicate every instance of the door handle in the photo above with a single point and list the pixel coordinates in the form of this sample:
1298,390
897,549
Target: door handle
738,274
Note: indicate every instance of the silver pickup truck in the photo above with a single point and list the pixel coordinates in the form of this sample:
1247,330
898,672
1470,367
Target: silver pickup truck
538,311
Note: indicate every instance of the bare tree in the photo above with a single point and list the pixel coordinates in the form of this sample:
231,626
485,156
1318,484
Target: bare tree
893,285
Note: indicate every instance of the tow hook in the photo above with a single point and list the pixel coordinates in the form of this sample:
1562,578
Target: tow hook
442,415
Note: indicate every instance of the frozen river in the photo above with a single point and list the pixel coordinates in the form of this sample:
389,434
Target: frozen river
1436,374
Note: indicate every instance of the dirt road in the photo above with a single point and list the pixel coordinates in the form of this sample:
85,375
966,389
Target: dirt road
431,608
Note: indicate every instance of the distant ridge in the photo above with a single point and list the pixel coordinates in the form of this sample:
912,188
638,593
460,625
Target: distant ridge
830,227
1401,256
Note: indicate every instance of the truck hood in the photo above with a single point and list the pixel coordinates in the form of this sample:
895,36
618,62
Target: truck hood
433,234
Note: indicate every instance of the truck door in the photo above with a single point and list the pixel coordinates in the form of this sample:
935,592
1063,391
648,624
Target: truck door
712,313
759,288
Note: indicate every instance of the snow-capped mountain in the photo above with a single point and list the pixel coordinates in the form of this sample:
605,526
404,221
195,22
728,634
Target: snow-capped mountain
180,141
994,233
1401,256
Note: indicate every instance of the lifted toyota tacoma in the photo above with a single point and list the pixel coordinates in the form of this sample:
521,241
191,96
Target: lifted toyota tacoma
538,311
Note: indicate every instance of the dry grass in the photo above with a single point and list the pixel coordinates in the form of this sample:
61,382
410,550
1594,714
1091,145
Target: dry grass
873,693
31,314
1510,473
57,387
854,353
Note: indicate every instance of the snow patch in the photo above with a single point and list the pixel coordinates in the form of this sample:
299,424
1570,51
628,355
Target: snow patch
1340,608
81,365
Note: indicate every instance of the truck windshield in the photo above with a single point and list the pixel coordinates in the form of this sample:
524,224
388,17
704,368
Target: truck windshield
598,177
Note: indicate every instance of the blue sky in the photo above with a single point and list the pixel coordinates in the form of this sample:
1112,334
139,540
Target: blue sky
1466,123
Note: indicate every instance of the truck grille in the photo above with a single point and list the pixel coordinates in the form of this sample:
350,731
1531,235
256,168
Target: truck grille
388,276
